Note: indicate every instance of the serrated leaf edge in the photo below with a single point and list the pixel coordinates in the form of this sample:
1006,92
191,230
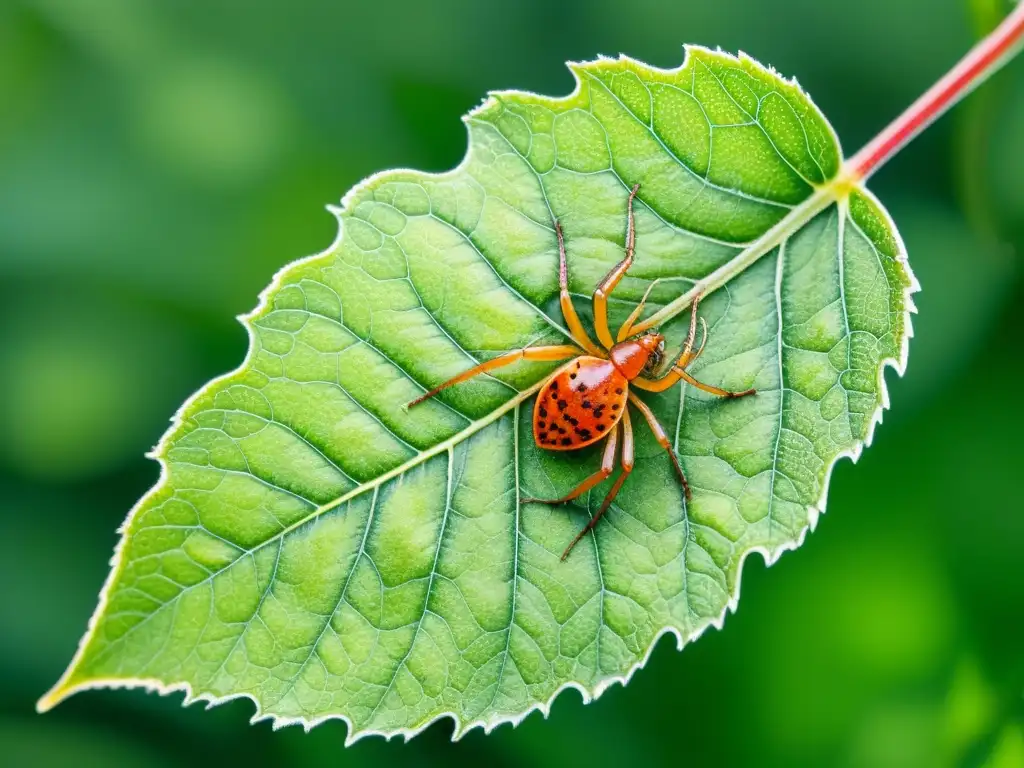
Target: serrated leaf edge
837,190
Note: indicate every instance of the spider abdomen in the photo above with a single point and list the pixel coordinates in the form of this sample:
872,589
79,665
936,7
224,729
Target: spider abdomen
582,403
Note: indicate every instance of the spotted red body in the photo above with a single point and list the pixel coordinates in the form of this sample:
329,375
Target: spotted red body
580,404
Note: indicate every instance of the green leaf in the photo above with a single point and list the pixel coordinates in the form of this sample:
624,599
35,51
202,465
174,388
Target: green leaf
318,548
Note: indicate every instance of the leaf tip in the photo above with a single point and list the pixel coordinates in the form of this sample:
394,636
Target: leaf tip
61,690
72,682
49,700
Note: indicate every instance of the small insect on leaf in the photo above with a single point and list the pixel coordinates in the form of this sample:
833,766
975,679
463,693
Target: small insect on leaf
431,486
590,393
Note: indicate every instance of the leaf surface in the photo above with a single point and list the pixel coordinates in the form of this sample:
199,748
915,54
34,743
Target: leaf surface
316,547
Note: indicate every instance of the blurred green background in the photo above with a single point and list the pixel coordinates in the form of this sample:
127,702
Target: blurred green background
159,161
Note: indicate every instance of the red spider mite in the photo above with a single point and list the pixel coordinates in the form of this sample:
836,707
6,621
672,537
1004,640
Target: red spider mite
585,400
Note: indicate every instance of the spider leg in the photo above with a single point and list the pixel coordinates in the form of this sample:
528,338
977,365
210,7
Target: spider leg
627,467
607,467
576,329
708,388
692,333
677,373
672,377
558,352
689,357
627,327
662,438
607,285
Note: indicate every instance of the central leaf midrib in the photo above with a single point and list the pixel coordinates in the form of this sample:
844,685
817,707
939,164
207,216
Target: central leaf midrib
796,217
802,213
415,461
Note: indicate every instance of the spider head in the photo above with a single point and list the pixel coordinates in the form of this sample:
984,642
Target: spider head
635,356
654,345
